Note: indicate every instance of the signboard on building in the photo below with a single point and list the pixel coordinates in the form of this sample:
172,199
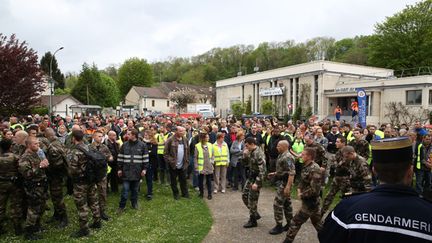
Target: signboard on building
271,91
344,90
361,98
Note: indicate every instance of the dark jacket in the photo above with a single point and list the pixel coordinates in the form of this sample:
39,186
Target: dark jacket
170,152
331,147
132,159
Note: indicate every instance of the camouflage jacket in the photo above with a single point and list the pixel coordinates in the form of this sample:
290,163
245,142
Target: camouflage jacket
76,160
44,144
103,149
361,147
56,154
342,166
256,163
360,176
320,157
285,166
18,149
29,167
8,166
310,181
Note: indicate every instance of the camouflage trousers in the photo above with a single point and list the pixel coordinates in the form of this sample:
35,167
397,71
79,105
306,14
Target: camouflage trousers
281,206
102,193
250,197
36,196
339,183
86,198
15,194
309,209
56,192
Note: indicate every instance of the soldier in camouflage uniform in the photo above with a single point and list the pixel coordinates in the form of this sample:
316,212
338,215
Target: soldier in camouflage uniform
360,176
84,193
360,145
309,192
283,177
102,185
254,158
320,158
32,168
18,148
56,154
341,180
10,187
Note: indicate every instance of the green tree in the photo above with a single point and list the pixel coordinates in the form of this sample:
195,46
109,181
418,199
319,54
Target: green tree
404,40
297,114
94,88
60,91
134,72
112,99
183,97
56,73
267,107
70,81
237,109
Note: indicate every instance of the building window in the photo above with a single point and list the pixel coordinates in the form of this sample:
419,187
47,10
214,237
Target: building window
167,103
430,97
297,85
316,94
413,97
153,103
291,90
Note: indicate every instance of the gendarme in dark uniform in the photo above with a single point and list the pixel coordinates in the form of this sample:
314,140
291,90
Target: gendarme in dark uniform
392,212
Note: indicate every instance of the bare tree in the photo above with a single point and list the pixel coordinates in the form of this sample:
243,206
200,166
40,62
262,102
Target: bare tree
182,97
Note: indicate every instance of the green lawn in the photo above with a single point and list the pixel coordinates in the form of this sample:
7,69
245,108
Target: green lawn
161,220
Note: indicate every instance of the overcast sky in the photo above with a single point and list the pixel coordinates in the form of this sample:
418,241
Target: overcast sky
110,31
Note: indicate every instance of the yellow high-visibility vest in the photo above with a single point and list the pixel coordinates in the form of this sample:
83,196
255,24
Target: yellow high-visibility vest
220,155
200,159
298,147
370,155
418,165
161,142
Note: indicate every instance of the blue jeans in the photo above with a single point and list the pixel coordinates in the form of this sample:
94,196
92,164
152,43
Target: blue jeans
133,187
423,181
149,180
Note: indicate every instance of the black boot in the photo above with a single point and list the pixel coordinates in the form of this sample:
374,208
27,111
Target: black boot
38,227
80,233
104,216
251,223
287,241
64,222
276,230
30,233
18,229
286,227
256,216
96,225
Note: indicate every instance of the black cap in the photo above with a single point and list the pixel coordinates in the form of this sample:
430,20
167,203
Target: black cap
392,150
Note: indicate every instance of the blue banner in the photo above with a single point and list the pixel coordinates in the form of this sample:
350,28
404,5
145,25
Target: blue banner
361,99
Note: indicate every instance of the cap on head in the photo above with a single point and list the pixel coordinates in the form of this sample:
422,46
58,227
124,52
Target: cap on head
392,150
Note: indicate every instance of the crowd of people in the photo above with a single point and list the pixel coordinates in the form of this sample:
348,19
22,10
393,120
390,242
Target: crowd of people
41,155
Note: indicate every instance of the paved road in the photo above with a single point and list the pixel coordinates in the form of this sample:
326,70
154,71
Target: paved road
229,215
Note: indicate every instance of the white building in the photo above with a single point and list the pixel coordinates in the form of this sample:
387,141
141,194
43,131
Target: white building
61,104
156,98
322,85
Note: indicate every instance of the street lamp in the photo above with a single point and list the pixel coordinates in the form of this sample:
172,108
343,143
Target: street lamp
51,81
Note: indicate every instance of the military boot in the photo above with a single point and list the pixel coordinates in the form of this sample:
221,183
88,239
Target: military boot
256,215
104,216
96,225
18,229
30,233
276,230
64,222
251,223
80,233
287,241
55,218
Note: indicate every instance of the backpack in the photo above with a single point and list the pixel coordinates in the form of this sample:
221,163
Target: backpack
96,166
